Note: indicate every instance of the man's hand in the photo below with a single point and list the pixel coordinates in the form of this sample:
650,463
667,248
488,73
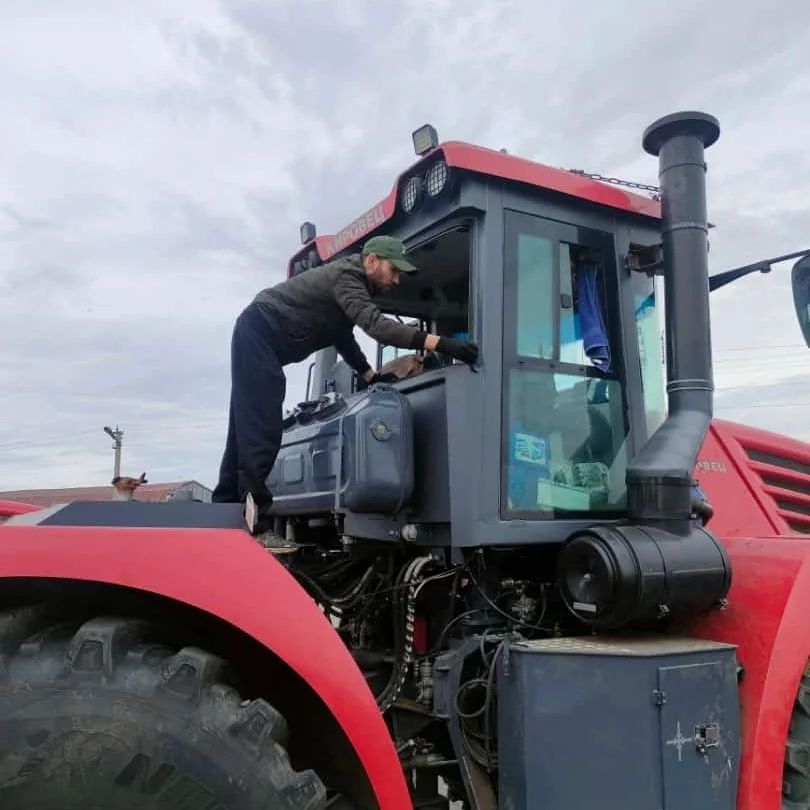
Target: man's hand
459,349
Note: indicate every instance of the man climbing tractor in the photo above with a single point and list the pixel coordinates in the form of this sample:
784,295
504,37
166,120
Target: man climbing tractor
285,324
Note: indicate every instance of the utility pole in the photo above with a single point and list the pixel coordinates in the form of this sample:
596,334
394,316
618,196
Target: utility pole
117,437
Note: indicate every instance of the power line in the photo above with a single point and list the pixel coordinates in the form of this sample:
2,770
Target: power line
40,442
762,348
804,383
65,437
793,358
763,405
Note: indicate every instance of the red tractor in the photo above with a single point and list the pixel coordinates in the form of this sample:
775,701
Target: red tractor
508,591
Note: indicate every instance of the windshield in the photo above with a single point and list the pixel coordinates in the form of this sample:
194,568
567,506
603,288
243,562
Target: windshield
436,299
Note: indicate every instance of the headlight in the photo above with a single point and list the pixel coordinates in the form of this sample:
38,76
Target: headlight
436,178
411,194
307,232
424,139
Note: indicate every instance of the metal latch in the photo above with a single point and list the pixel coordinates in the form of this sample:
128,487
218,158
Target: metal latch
707,735
648,259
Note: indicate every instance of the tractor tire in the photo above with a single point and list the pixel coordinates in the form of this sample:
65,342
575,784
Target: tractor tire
95,717
796,778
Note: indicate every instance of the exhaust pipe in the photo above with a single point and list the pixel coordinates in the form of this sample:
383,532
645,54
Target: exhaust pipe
660,478
661,564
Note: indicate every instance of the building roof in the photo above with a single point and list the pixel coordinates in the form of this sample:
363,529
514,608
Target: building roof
49,497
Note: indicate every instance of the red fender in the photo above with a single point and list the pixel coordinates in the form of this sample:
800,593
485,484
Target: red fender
766,618
227,574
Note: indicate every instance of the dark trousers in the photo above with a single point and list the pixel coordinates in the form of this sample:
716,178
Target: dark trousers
254,424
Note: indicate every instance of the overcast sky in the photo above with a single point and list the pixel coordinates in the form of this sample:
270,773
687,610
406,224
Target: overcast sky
156,160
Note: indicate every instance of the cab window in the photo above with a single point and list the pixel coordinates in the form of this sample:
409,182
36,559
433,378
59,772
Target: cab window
564,418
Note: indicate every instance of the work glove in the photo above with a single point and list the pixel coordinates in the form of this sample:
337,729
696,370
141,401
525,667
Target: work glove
458,349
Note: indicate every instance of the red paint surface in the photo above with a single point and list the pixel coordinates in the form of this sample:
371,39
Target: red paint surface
489,162
745,500
509,167
723,474
11,508
769,601
767,619
226,574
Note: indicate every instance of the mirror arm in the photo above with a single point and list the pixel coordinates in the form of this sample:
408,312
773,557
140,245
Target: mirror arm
721,279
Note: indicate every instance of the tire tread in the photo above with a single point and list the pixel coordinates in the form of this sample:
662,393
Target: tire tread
126,655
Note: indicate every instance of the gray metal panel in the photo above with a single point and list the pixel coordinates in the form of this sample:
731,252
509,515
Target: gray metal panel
376,469
431,497
293,468
172,514
691,712
601,708
315,491
630,646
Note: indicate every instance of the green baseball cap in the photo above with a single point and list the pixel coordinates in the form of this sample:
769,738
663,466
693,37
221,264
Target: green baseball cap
391,248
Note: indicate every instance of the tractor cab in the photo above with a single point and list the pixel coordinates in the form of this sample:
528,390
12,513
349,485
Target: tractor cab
545,270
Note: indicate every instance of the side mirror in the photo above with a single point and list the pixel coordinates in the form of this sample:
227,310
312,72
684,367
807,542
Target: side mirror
800,279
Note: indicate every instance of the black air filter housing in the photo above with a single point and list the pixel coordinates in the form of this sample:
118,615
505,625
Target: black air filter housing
613,576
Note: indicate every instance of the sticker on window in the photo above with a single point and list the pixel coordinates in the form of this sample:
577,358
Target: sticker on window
530,449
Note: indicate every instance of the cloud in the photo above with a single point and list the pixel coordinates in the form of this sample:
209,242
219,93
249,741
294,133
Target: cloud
159,159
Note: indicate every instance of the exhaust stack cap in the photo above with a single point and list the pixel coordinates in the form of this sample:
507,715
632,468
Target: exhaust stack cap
696,124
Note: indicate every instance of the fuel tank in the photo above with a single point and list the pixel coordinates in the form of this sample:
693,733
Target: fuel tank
346,454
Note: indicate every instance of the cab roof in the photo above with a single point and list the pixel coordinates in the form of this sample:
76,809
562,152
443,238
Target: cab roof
488,162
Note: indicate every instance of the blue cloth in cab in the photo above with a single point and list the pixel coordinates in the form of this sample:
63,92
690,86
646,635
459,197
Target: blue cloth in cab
592,318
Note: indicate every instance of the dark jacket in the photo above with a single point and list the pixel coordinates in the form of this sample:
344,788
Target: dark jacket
320,308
